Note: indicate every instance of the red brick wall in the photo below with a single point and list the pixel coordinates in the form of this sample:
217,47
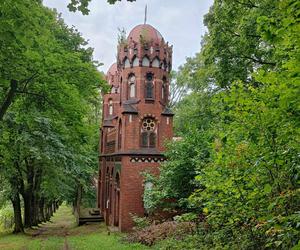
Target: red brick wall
131,180
132,190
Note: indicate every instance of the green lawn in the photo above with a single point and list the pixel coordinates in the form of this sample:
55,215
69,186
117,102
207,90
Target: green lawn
62,233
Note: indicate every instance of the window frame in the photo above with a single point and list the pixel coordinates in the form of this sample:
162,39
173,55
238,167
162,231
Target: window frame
148,138
110,107
149,87
130,83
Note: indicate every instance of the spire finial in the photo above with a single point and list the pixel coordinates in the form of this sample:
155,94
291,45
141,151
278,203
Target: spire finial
145,19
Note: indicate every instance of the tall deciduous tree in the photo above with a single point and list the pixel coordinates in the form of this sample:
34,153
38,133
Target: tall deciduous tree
49,88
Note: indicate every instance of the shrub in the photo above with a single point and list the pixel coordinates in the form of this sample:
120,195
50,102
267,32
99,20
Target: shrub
154,233
140,222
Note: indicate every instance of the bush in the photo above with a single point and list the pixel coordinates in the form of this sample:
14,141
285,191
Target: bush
140,222
154,233
186,217
6,218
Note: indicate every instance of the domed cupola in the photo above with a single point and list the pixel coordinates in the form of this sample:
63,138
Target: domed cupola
146,33
144,47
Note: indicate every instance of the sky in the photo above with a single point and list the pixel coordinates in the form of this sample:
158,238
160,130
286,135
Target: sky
179,21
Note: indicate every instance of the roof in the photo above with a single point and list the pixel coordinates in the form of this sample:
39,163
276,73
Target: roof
146,32
127,108
167,111
107,123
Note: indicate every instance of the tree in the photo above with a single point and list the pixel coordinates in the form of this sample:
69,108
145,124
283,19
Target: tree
247,186
48,121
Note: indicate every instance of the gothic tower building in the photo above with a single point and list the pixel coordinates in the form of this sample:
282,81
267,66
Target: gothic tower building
136,124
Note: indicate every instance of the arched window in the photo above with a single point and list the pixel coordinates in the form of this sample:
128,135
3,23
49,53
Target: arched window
110,107
120,135
148,135
135,62
164,65
126,63
155,63
149,86
145,62
164,93
131,86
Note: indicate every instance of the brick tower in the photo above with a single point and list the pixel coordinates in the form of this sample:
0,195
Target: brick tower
136,123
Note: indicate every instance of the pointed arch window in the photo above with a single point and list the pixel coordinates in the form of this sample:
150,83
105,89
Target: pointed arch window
155,63
135,62
120,135
126,63
164,90
149,86
110,107
145,62
131,86
148,133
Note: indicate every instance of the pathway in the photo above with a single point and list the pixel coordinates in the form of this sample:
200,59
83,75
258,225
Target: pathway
63,233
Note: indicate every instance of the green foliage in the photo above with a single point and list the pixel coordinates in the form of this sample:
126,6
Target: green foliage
140,222
47,136
186,217
122,38
238,160
6,217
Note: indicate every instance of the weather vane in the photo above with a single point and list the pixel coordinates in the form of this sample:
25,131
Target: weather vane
145,19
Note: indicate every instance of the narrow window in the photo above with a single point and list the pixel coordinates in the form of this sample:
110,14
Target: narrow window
120,135
110,107
126,63
164,94
149,86
152,138
144,139
131,86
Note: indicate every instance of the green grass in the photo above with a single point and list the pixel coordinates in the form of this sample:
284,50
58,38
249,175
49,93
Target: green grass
62,233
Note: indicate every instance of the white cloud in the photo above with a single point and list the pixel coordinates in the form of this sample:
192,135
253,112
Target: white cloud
180,23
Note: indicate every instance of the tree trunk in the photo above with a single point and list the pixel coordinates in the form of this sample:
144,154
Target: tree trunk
15,199
9,98
50,209
47,212
54,206
41,210
27,209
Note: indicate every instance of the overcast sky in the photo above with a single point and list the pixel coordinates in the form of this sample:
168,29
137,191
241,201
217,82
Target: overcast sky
179,21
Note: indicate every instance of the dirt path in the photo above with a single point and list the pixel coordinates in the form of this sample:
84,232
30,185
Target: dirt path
62,224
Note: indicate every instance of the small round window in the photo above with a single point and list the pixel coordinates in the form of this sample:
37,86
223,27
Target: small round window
148,124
